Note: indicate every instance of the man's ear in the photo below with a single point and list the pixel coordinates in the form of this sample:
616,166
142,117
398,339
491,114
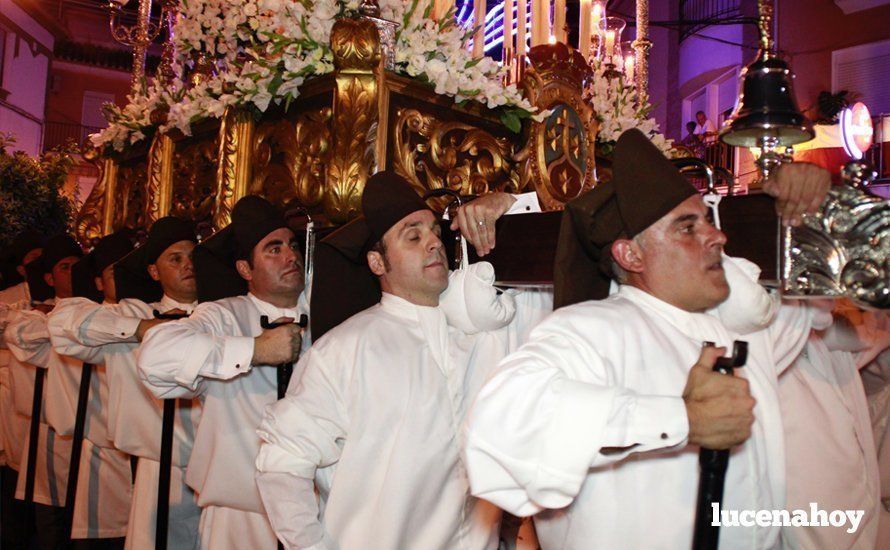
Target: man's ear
376,263
99,285
48,277
153,272
21,271
627,255
243,269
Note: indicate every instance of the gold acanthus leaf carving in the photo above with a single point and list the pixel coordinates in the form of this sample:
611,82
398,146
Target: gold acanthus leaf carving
290,158
194,177
352,154
130,197
355,44
90,219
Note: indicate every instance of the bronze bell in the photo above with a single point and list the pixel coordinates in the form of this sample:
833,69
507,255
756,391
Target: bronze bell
766,107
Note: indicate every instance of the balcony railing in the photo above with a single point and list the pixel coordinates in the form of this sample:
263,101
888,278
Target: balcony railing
702,13
57,134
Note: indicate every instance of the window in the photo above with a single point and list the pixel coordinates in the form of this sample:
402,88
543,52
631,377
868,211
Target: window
865,71
3,35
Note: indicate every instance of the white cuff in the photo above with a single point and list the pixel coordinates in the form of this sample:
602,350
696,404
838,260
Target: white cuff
236,357
659,421
526,203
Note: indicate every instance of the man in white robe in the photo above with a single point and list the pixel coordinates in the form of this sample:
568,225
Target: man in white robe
595,424
100,510
109,334
16,516
222,355
831,453
381,397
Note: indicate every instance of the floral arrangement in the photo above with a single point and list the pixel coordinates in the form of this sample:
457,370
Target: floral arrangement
263,50
617,109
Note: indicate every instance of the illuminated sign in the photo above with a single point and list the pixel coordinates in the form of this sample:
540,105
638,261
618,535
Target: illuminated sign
856,130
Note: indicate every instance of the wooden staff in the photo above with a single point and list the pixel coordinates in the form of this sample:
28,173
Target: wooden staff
163,519
86,376
34,434
283,371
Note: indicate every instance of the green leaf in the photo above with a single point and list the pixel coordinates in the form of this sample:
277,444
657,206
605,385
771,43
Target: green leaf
511,121
428,10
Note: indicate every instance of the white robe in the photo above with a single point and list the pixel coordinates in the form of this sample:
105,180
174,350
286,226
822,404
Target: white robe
105,334
208,355
831,453
586,425
13,428
382,398
102,504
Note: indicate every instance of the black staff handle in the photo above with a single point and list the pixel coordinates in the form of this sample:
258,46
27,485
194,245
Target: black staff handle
163,519
80,418
713,466
34,434
284,370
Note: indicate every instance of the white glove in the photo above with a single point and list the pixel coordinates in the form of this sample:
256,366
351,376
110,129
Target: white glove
472,304
750,307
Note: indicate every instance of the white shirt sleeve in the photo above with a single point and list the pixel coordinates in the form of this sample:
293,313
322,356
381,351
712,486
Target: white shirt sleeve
79,328
299,433
27,337
789,332
292,507
551,413
176,356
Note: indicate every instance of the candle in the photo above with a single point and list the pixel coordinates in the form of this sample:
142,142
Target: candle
508,26
546,28
584,29
540,21
559,21
521,27
610,45
629,68
479,22
597,14
441,8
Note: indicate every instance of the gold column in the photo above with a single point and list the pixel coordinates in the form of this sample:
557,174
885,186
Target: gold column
642,45
90,221
233,176
356,47
108,182
160,178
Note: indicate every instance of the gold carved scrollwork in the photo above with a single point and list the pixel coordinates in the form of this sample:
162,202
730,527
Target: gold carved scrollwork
356,47
90,223
290,158
193,170
160,178
233,171
558,160
433,154
130,202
